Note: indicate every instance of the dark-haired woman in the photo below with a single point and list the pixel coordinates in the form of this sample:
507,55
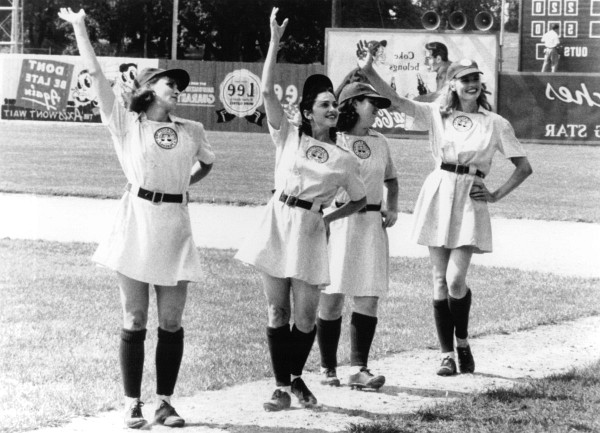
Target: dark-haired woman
451,215
151,240
289,248
358,245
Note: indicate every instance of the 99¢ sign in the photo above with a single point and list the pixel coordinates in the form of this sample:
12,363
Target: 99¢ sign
240,92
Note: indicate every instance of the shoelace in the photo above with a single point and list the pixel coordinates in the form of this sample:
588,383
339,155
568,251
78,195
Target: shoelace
136,409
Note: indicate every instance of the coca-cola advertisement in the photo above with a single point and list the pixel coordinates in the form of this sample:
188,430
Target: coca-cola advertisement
413,62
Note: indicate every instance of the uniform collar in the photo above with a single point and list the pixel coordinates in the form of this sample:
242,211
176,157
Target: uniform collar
480,110
174,119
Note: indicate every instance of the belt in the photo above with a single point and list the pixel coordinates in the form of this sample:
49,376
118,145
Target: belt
367,208
460,169
292,201
156,197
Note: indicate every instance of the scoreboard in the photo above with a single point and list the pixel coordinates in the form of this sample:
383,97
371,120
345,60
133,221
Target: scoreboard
579,32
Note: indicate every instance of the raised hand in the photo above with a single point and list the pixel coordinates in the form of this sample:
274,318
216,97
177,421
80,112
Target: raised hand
364,57
276,29
69,16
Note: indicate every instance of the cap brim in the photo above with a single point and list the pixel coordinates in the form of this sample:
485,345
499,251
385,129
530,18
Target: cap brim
467,72
380,101
181,77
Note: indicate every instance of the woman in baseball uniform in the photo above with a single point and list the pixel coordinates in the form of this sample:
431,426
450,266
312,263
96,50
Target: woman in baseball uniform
289,247
451,215
151,240
358,245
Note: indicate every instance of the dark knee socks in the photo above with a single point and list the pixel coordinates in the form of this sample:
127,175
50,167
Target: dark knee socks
131,358
328,336
362,331
169,352
460,308
444,324
300,345
279,348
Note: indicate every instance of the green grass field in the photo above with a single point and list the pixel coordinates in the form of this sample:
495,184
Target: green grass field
79,160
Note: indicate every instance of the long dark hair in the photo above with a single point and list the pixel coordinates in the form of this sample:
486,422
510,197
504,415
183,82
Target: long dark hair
348,115
307,103
142,96
452,101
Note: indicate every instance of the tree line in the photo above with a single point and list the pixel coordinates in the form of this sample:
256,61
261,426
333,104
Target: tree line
225,30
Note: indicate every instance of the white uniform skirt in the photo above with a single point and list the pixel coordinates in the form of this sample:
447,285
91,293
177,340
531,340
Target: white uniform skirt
445,215
359,256
290,242
151,243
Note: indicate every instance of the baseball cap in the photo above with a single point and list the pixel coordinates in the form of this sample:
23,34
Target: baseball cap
355,89
181,77
461,68
316,81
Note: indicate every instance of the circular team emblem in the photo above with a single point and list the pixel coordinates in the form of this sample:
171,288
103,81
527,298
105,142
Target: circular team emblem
318,154
240,93
462,123
166,138
361,149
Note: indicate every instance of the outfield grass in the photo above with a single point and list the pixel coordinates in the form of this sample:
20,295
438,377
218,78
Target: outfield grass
557,404
79,160
60,317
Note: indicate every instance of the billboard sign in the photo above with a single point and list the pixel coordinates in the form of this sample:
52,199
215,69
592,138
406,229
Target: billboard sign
401,62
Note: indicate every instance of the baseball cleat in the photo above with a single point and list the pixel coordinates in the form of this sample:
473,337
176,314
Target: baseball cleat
300,390
447,368
167,416
364,379
280,400
330,377
466,363
133,416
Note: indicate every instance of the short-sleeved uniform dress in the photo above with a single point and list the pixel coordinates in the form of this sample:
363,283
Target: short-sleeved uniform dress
358,244
152,242
445,215
290,242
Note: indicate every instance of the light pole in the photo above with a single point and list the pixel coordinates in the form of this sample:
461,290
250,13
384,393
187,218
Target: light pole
174,30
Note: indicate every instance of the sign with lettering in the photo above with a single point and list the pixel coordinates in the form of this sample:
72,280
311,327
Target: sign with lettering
44,84
552,108
579,33
401,59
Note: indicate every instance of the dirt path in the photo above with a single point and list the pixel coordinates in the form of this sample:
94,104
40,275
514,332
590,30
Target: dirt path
501,360
565,248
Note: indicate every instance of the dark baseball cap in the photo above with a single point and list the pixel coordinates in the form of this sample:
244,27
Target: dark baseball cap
461,68
316,81
355,89
181,77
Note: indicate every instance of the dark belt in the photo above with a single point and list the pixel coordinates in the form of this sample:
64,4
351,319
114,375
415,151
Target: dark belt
460,169
367,208
157,197
292,201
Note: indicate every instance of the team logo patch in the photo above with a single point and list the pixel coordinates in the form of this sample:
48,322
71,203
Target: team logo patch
166,137
462,123
318,154
361,149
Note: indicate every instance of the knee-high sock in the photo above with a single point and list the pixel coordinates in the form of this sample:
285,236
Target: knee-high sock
362,331
131,358
301,343
279,348
328,336
460,309
444,324
169,351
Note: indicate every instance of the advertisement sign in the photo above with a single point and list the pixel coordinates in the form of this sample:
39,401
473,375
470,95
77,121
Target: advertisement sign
227,96
579,33
401,61
552,108
58,88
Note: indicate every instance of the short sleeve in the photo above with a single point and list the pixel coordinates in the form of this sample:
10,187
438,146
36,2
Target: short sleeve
423,116
279,136
508,144
205,152
354,184
390,169
118,120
